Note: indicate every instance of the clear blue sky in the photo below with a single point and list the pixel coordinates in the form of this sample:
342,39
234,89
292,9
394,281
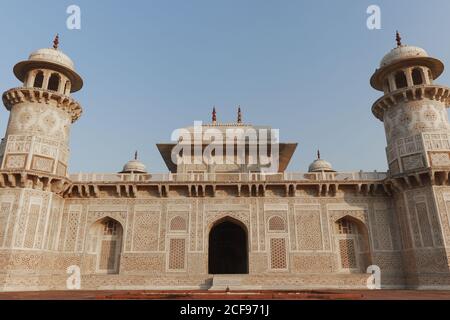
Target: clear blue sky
154,66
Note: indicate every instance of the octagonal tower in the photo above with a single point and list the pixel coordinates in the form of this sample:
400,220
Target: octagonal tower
34,157
35,149
413,110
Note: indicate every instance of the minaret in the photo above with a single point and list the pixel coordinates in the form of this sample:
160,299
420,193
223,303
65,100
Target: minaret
413,110
35,150
34,156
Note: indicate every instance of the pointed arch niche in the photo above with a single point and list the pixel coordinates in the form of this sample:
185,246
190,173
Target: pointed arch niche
105,241
352,245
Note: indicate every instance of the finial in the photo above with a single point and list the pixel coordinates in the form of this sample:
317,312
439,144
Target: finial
56,42
318,154
136,155
214,115
398,39
239,119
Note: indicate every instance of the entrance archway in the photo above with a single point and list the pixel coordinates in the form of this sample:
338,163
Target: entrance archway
228,248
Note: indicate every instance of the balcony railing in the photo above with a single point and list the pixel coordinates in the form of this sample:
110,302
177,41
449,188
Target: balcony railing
228,177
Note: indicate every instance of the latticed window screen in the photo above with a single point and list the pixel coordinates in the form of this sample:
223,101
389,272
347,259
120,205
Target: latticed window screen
278,253
177,254
346,227
109,228
277,224
348,254
178,224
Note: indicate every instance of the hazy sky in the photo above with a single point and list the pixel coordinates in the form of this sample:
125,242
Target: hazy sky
153,66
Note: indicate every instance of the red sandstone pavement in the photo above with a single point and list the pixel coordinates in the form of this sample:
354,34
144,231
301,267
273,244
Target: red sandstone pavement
233,295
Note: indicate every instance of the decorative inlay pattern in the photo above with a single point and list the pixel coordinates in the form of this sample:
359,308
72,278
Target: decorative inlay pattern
277,223
43,164
145,232
15,161
440,159
309,230
5,208
412,162
178,224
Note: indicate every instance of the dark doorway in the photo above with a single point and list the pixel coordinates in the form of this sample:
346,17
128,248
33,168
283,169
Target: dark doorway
227,249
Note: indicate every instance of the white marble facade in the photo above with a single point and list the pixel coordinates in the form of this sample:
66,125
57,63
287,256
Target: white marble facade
140,230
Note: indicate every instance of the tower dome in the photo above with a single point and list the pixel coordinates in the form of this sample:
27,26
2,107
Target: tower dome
50,58
401,53
134,166
320,165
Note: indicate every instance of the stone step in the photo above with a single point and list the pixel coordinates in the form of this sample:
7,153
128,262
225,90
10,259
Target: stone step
227,281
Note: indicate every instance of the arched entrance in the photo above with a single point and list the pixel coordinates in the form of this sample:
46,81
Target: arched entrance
105,241
228,249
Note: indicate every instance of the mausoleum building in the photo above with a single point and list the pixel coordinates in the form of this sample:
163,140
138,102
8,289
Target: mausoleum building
203,225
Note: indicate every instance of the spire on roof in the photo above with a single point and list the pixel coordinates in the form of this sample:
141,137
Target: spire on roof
214,115
136,155
318,154
239,117
56,42
398,39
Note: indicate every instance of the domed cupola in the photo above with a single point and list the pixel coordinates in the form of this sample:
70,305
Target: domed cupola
410,59
51,69
320,165
134,166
